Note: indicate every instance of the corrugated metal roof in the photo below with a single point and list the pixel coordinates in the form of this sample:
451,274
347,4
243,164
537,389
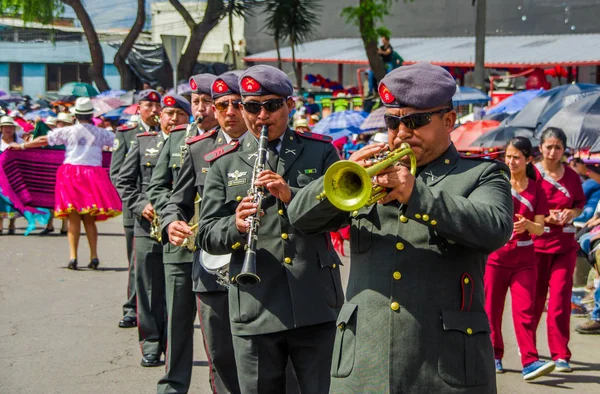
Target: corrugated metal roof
46,52
500,51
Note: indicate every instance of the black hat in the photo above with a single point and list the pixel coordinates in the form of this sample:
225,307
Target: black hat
149,95
420,85
226,84
262,80
177,101
201,83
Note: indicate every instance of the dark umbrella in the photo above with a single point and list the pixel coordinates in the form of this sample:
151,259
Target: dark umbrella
500,137
580,121
542,107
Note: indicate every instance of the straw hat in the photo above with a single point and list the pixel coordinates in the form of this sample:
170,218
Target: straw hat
302,122
84,106
50,120
65,118
8,121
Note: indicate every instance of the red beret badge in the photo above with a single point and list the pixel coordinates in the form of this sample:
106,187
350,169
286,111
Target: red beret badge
386,96
152,96
170,101
250,84
193,84
219,86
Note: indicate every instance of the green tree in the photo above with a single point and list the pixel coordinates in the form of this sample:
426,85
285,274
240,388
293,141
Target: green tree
127,80
239,8
43,11
366,15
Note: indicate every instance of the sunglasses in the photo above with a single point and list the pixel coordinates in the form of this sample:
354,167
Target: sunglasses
412,121
222,106
271,106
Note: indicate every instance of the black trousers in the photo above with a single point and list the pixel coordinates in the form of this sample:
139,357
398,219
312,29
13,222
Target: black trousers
129,307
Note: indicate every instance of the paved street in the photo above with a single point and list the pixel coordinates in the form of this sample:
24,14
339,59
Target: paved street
59,334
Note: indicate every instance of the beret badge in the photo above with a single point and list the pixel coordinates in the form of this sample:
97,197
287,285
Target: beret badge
169,101
152,96
250,85
386,96
193,84
220,86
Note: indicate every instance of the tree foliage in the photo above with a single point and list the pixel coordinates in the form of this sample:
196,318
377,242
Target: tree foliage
42,11
237,8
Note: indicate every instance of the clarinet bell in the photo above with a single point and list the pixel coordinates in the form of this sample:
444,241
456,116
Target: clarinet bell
247,277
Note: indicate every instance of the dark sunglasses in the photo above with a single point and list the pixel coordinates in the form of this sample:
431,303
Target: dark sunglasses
222,106
272,105
412,121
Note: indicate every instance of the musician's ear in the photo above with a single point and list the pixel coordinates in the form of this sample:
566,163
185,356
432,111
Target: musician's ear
290,103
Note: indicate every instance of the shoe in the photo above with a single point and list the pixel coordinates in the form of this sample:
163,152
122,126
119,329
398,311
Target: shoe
562,366
128,322
93,265
72,264
11,231
578,310
589,327
47,231
537,369
64,232
150,360
499,368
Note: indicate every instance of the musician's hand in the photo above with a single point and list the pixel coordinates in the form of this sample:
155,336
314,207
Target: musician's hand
244,209
566,215
399,181
178,231
362,155
148,213
520,226
553,218
14,146
276,185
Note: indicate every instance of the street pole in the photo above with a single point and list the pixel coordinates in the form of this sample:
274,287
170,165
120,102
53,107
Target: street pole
480,21
174,55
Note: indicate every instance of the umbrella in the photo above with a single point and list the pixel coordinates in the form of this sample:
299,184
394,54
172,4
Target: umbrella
375,120
78,89
500,137
341,124
514,103
111,94
104,105
465,96
131,110
463,136
42,113
116,113
541,108
13,98
580,121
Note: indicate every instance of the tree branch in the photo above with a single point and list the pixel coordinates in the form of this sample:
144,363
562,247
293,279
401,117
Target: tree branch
184,13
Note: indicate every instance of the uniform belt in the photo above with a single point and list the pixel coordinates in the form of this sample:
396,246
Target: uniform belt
529,242
566,229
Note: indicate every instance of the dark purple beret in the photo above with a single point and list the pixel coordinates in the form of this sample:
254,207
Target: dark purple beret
177,101
201,83
420,85
226,84
263,80
149,95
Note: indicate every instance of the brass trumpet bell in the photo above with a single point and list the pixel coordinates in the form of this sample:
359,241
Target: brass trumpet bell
349,187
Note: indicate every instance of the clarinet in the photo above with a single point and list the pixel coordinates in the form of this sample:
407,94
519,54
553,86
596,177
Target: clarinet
247,276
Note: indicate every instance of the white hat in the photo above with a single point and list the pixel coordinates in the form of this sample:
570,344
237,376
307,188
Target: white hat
84,106
50,120
65,118
380,137
8,121
302,122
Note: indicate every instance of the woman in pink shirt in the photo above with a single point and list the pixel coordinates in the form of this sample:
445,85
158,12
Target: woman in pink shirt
514,265
556,248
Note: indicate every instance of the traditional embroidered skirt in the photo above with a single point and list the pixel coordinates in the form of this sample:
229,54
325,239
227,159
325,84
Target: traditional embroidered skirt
85,190
7,211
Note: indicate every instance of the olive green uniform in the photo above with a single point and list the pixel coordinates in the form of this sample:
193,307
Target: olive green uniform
414,320
211,297
132,184
291,313
124,138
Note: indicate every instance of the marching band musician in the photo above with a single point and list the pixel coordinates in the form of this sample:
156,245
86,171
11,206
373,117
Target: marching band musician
181,307
291,312
204,116
132,183
414,320
211,297
149,110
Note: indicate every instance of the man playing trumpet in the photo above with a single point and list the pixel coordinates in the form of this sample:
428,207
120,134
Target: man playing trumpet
414,320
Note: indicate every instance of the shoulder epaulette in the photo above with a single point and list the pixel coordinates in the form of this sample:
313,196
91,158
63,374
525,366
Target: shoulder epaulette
126,128
147,134
221,151
201,137
179,127
314,136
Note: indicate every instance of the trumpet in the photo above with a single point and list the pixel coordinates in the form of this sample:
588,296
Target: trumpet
349,187
155,229
190,242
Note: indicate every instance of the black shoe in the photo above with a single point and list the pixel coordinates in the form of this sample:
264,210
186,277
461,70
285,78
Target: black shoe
64,232
150,360
128,322
47,231
93,265
72,264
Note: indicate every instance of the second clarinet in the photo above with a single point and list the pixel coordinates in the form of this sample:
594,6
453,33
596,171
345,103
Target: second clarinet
248,276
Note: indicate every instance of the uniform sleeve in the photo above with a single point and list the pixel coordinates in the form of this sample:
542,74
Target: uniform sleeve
128,184
117,158
217,231
541,202
57,136
482,220
159,189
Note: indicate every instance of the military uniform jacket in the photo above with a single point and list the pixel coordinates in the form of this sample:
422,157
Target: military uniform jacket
123,140
300,280
414,319
181,203
135,176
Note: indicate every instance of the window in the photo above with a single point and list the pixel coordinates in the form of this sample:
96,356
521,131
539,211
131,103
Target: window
15,75
59,74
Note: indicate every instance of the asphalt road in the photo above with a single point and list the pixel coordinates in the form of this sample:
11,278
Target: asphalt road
59,334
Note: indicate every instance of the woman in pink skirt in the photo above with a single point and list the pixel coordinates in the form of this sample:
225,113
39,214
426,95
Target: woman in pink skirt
83,190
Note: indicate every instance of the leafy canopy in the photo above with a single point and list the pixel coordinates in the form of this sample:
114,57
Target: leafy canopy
42,11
